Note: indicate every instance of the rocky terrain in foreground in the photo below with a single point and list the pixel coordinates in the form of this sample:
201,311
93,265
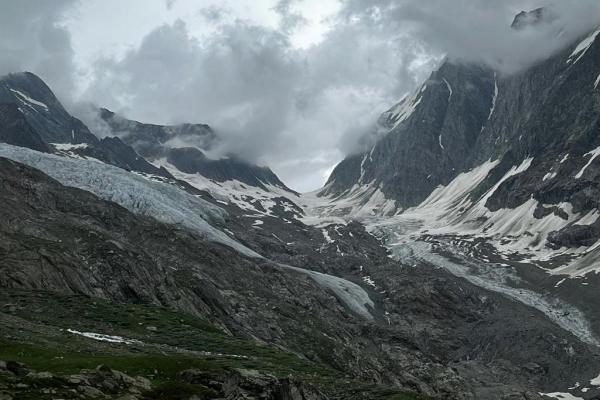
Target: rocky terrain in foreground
136,267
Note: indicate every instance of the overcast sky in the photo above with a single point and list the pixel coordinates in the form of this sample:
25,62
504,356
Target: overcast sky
291,84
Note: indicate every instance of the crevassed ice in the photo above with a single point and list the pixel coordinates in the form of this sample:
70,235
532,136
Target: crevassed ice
166,203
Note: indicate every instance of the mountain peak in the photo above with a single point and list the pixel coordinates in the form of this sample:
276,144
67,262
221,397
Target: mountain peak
526,19
37,101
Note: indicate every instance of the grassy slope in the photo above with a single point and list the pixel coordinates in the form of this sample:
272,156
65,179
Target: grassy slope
34,333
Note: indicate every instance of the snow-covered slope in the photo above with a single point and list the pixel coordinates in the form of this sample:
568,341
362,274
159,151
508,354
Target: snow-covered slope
167,203
189,149
266,200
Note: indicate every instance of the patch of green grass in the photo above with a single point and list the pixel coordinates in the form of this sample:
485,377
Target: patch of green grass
37,336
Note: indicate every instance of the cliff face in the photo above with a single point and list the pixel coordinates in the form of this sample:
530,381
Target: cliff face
184,147
465,294
464,115
76,243
431,135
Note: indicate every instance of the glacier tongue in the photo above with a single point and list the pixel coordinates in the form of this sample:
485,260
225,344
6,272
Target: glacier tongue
167,203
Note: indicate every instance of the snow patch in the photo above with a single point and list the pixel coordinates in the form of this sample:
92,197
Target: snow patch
449,90
561,396
28,101
583,47
405,108
549,175
360,201
254,200
369,281
69,146
362,169
328,238
104,338
594,153
589,219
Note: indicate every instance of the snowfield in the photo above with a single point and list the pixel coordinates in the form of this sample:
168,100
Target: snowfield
451,221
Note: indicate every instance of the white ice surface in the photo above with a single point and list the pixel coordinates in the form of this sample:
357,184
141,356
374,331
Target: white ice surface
69,146
166,203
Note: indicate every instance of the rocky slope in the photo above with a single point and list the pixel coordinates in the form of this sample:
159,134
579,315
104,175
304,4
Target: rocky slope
76,243
464,115
35,118
492,177
200,271
184,147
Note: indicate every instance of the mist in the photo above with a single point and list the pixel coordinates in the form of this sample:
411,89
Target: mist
299,110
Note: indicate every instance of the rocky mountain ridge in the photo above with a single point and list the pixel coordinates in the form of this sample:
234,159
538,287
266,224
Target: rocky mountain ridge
454,297
184,147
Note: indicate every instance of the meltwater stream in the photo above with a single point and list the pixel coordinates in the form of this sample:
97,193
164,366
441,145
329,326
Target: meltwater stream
400,236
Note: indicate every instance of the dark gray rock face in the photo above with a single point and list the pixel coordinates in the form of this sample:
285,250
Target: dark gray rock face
40,106
191,160
113,151
183,146
549,112
31,116
427,327
432,145
526,19
250,384
149,140
15,130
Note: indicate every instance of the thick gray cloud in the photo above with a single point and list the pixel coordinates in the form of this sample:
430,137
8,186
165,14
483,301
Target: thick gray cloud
479,31
290,20
32,39
297,110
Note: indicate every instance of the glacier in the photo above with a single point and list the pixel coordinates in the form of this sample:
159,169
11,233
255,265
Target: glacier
169,204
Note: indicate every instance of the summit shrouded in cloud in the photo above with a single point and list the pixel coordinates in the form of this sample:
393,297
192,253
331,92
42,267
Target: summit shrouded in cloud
292,84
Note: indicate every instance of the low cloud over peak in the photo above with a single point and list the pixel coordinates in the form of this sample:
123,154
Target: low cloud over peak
297,109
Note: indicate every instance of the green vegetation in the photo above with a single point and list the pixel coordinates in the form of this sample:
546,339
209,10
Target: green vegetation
33,330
